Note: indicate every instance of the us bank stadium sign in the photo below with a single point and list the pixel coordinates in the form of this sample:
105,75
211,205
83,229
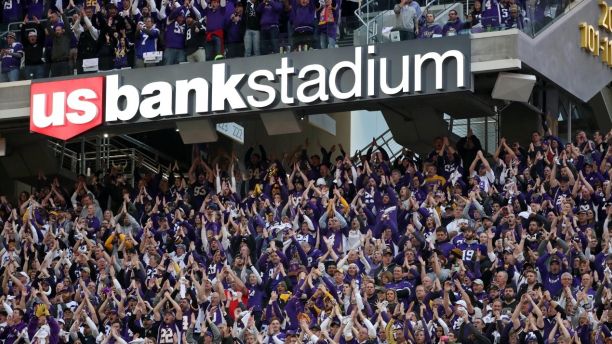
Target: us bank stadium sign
66,108
598,42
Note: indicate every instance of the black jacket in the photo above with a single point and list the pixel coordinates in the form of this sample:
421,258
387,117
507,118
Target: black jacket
33,52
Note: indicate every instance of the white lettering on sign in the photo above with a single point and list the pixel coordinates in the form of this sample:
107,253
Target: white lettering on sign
369,74
439,61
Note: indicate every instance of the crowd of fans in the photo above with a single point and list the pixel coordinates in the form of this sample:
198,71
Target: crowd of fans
95,35
316,247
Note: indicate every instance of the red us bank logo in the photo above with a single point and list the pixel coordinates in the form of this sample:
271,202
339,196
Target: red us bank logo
65,109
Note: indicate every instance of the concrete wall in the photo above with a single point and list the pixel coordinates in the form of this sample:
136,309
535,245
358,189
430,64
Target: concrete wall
556,54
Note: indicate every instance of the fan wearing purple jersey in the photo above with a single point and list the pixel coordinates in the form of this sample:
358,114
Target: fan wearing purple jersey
515,19
175,33
470,248
12,11
491,14
170,329
269,11
146,40
34,9
215,23
431,28
302,14
453,25
11,59
14,330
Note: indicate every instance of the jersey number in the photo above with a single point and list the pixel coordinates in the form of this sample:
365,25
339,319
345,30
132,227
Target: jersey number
166,336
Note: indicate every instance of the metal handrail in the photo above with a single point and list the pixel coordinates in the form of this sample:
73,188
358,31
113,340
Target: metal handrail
383,140
109,153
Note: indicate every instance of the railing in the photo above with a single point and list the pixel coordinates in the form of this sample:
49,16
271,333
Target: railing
385,141
102,154
68,159
550,15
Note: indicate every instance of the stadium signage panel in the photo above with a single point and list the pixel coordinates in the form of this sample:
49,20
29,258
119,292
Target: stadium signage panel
598,43
67,108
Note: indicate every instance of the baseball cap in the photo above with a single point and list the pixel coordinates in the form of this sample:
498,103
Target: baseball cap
478,281
320,182
24,274
555,259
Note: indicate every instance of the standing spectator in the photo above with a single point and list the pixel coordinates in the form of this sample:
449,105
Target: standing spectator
195,39
175,35
11,58
234,33
269,11
129,15
328,24
34,9
33,38
60,51
252,35
146,40
215,24
12,11
515,19
302,14
491,15
504,10
431,28
122,50
106,51
407,20
87,46
476,13
112,22
468,147
453,26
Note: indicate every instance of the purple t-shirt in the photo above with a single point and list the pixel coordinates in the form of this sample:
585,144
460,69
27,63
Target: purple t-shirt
10,62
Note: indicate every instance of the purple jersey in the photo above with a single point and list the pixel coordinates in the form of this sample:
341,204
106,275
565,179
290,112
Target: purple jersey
452,28
13,332
35,8
491,15
11,11
429,30
256,296
469,251
9,60
147,42
166,333
121,51
175,36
